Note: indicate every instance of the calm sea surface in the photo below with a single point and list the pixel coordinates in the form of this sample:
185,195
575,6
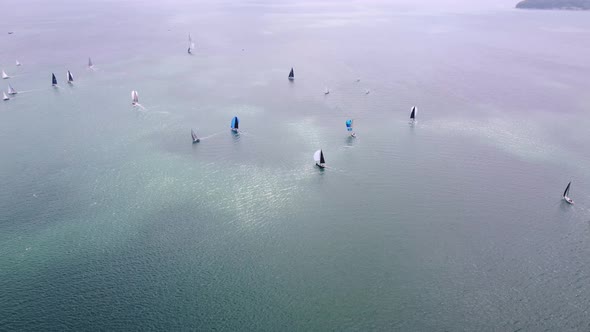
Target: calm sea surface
110,219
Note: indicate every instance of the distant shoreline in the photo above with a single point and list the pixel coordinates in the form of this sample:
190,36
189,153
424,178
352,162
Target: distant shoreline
554,4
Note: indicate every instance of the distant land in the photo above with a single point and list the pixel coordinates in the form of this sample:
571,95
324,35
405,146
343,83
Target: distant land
555,4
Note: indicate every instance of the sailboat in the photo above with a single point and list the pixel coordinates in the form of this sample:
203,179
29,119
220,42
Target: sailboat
70,78
318,157
327,91
349,127
194,136
191,44
4,75
367,91
53,80
291,75
90,65
235,123
413,114
11,90
566,193
134,98
4,96
17,63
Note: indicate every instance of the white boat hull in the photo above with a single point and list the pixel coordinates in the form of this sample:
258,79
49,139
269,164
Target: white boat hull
320,165
568,200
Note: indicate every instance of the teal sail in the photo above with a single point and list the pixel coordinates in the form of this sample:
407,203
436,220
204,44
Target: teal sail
349,125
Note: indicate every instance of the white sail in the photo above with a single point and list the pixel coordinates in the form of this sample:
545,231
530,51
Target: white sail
4,96
11,90
134,97
4,75
191,43
327,91
317,155
17,63
566,194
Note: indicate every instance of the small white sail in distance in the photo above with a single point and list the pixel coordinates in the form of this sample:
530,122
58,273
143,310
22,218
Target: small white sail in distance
134,98
4,96
413,114
566,194
11,90
4,75
194,136
191,44
17,63
318,157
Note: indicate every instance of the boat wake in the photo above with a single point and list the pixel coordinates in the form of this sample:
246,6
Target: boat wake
212,135
34,90
333,169
140,108
245,133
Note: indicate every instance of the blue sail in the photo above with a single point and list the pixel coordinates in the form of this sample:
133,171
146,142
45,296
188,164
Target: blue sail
53,80
235,122
349,125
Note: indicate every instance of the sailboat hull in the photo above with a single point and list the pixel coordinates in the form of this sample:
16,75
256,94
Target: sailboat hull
322,166
568,200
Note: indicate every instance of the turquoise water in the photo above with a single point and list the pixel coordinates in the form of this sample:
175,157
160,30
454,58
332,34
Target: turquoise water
111,219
